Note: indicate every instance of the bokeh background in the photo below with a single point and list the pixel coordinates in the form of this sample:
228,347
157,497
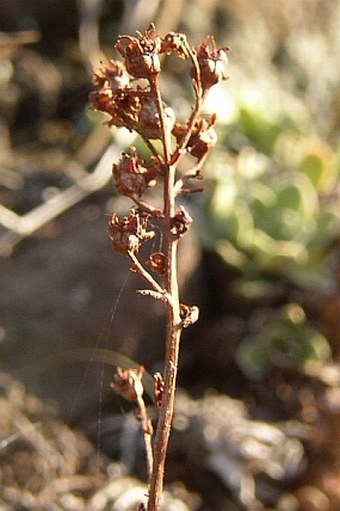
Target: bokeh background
258,412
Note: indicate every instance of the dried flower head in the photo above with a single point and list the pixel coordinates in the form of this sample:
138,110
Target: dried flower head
141,54
212,63
128,383
157,262
110,81
113,76
149,124
189,314
128,233
135,109
132,175
180,223
203,136
176,43
101,99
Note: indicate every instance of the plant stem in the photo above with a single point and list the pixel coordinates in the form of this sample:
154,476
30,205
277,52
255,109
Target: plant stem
138,268
173,320
147,434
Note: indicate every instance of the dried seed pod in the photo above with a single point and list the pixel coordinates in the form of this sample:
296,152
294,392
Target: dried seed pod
128,383
128,233
181,222
203,136
110,81
114,76
101,99
130,105
122,107
177,43
157,262
189,314
201,145
141,53
126,106
132,175
149,124
212,63
133,109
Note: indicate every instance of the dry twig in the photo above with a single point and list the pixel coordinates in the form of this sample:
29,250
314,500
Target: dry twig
130,94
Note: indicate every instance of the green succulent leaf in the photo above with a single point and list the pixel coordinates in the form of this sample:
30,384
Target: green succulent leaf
285,340
319,164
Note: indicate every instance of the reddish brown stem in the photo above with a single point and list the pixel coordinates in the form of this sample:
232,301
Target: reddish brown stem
138,268
199,98
133,106
147,435
173,320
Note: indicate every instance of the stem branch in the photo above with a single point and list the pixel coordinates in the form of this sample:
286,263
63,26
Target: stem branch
138,268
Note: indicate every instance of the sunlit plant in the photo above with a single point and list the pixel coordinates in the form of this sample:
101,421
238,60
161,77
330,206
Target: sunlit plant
129,93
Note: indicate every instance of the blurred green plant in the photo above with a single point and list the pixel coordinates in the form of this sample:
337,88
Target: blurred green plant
270,210
272,215
285,339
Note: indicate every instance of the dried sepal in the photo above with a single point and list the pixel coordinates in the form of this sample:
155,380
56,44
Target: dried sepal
203,136
126,108
110,81
158,389
212,63
189,314
113,76
157,262
141,54
128,233
176,43
101,99
133,108
128,383
132,175
123,107
148,123
137,110
180,223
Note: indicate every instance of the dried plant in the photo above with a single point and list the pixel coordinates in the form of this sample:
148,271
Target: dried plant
129,93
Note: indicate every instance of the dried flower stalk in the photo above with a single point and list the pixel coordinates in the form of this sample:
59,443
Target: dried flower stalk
129,93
